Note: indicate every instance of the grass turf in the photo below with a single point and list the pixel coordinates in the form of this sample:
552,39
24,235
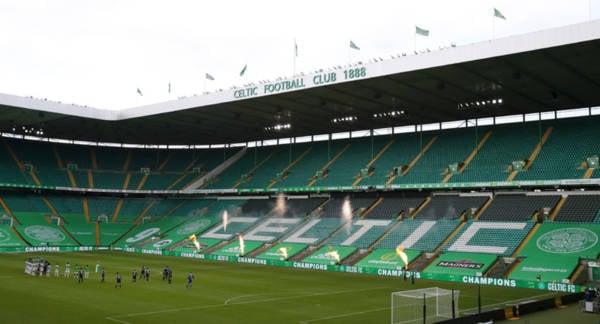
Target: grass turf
222,292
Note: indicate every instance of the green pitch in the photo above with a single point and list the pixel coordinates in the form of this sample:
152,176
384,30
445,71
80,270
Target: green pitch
222,292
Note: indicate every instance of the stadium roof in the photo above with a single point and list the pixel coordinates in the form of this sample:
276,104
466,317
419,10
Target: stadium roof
540,71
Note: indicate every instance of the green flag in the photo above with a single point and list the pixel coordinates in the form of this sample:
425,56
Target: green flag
243,71
169,87
209,77
498,14
353,46
139,92
421,31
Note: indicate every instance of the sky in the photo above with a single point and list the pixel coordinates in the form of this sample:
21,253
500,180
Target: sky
97,53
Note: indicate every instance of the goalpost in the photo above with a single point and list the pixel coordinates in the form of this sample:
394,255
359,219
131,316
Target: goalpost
425,305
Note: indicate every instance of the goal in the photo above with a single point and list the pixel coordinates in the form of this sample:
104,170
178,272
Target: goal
427,305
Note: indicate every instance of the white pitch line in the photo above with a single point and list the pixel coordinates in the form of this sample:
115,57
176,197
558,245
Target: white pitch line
343,315
238,297
385,308
114,317
116,320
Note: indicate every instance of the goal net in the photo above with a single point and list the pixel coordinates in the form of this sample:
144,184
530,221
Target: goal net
427,305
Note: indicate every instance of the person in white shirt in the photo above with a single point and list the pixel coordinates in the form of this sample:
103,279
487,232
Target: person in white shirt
68,270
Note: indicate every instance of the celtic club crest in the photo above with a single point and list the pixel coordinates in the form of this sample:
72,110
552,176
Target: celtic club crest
567,240
4,235
44,233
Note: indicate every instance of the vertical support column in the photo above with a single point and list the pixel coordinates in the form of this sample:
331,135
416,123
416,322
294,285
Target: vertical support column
329,147
420,137
372,143
478,299
424,309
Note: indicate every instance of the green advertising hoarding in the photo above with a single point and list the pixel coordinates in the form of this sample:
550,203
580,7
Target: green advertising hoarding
500,282
386,259
277,252
235,249
330,254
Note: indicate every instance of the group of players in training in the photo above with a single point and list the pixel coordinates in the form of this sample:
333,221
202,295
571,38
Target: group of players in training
83,272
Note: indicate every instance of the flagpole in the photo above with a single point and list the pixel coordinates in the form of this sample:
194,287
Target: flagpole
349,53
351,47
243,72
349,59
493,28
295,53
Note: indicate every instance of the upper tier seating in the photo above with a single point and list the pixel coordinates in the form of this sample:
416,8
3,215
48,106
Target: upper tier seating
492,161
451,146
331,163
232,175
404,149
281,158
10,169
41,157
344,170
559,158
303,172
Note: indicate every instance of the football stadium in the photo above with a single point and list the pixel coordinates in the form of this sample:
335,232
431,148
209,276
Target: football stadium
459,185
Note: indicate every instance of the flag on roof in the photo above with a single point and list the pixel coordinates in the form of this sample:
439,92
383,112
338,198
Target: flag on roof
243,71
498,14
139,92
209,77
353,46
421,31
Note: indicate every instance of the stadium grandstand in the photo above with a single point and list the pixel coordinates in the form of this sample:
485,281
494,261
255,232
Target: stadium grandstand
481,161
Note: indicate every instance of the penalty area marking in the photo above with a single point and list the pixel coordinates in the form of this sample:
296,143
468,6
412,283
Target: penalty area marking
115,318
387,308
240,297
344,315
